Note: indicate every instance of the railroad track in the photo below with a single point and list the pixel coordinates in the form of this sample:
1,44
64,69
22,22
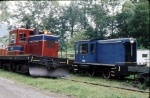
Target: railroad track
103,85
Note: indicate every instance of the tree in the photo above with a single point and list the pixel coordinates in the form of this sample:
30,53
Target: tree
99,17
35,13
72,16
123,19
112,7
139,24
4,13
78,36
4,40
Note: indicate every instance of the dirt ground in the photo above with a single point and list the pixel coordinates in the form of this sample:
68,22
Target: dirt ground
9,89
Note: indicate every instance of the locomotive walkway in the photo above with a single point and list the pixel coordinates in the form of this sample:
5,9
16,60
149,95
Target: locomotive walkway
8,89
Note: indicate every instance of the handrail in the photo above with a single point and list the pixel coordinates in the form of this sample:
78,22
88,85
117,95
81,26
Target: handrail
3,46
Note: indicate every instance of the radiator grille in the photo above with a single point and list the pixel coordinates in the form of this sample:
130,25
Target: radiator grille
50,44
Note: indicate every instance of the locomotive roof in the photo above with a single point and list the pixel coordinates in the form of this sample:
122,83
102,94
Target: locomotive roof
90,40
104,40
43,34
22,29
26,29
119,39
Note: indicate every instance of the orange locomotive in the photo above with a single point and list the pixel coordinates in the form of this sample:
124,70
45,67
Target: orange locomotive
3,50
35,52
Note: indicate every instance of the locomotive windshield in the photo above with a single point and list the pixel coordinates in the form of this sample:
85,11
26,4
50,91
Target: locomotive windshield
130,52
12,38
22,37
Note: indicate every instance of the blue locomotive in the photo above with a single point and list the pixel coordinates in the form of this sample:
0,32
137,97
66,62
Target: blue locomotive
111,57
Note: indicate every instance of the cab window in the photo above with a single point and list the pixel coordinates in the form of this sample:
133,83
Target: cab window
22,37
92,48
12,38
84,48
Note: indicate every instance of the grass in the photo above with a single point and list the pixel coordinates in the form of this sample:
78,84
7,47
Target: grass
110,82
70,88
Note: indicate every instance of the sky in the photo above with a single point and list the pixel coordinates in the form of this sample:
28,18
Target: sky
64,2
3,30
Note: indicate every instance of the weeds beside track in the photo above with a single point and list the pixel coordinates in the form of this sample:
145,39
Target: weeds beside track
123,88
73,88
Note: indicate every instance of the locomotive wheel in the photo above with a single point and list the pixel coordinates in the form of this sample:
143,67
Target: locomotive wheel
10,67
13,68
4,67
106,73
91,73
1,64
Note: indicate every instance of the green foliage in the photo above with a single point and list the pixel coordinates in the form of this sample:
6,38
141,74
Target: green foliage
134,22
78,36
138,26
142,86
4,40
4,13
27,19
111,21
100,18
74,17
124,18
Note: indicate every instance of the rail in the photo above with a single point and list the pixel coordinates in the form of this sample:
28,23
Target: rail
103,85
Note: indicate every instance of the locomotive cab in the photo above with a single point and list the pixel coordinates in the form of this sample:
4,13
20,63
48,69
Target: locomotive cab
18,41
85,51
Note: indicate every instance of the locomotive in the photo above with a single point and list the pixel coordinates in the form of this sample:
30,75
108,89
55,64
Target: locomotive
111,57
34,52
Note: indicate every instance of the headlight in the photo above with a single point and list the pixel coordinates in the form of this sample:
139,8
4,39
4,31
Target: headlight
131,40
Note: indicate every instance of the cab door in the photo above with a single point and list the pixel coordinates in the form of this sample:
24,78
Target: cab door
92,52
82,52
